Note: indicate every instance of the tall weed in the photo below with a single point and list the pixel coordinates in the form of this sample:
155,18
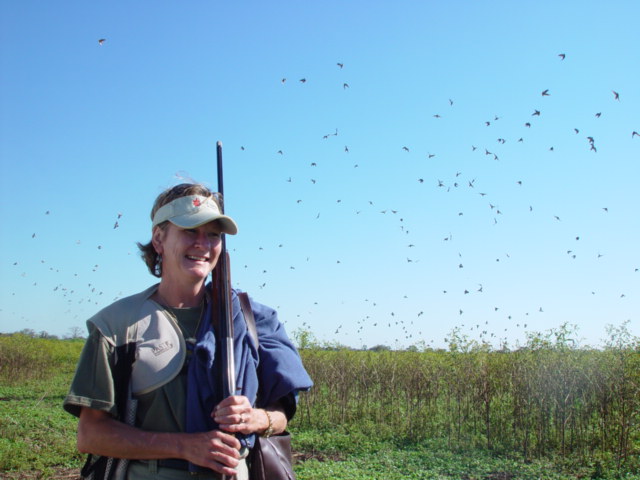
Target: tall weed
546,399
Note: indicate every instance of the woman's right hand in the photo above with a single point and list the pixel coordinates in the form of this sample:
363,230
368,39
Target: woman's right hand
99,433
216,450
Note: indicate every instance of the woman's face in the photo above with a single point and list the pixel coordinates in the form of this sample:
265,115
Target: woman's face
189,254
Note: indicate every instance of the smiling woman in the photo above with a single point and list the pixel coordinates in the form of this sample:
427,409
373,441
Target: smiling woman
188,256
179,205
166,410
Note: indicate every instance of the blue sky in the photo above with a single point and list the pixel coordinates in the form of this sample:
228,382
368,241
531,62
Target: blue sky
482,222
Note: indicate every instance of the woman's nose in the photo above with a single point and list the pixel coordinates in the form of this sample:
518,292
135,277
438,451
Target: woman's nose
204,240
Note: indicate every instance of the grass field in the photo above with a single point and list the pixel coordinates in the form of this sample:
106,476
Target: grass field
38,437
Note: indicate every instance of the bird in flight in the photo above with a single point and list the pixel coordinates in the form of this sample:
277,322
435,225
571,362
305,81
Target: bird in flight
101,41
562,56
536,113
303,80
340,64
545,93
616,95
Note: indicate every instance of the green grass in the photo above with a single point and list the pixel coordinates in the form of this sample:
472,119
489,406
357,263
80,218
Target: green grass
354,456
37,435
37,438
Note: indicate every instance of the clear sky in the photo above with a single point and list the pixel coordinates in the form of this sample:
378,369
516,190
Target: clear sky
416,191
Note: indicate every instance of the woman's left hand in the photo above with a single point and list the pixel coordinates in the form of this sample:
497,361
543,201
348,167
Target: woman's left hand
236,415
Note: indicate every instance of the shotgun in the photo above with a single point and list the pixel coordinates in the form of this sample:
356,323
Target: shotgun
222,294
221,304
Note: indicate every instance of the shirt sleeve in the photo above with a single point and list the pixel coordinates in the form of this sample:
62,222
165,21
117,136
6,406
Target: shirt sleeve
93,384
281,372
290,404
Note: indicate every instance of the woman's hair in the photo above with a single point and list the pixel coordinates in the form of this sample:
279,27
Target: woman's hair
148,253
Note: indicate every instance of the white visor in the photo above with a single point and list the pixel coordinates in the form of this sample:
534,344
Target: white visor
193,211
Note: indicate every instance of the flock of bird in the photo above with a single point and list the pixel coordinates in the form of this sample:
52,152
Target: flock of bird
401,328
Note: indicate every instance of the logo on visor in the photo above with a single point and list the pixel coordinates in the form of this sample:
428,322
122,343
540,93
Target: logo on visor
196,202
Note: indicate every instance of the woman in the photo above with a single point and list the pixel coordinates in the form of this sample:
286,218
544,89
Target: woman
147,386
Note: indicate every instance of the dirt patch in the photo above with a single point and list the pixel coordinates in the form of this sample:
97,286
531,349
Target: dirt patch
54,474
319,456
60,473
500,476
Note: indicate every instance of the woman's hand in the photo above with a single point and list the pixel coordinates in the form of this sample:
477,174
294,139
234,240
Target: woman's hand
99,433
236,415
216,450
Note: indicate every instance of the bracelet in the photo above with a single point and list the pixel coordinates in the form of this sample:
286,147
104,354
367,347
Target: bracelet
269,431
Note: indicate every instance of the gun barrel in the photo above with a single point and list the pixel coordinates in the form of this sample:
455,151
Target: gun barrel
224,295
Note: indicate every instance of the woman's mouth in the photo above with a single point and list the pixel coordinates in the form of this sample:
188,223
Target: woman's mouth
196,258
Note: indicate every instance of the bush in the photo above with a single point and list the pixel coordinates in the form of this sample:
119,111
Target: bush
24,358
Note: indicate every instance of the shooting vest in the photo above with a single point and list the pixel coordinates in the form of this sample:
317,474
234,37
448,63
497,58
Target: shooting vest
159,344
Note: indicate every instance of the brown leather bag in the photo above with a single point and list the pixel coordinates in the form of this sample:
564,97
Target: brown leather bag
270,458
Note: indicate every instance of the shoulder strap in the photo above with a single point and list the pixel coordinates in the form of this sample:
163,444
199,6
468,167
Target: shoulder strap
245,305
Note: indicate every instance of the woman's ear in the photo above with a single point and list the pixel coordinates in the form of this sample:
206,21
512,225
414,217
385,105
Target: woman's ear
157,238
